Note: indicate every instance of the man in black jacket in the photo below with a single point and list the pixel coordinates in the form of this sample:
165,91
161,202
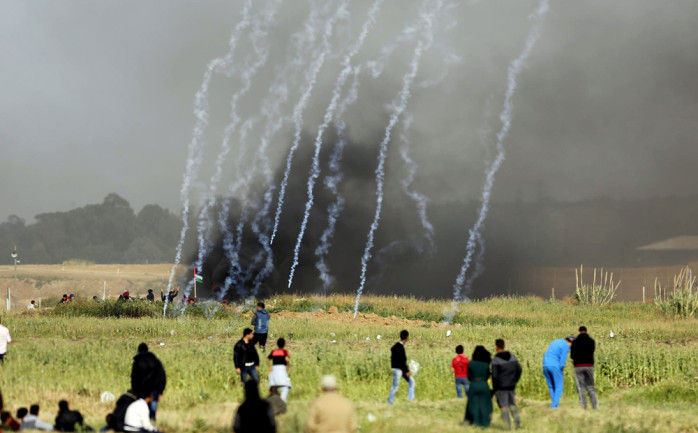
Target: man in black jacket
582,354
148,377
506,372
67,419
246,358
398,364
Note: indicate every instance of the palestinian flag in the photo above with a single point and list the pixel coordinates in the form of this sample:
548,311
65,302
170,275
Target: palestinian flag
197,277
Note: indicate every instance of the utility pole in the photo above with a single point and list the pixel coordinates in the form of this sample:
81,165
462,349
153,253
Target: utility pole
14,257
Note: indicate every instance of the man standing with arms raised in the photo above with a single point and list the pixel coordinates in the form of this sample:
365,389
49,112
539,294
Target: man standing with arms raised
246,358
582,354
398,364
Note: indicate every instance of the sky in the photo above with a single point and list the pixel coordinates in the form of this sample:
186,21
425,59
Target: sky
97,97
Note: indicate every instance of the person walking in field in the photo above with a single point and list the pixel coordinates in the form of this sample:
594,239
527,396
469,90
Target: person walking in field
582,354
553,364
478,410
398,365
278,371
506,372
246,358
4,340
260,321
254,414
331,412
459,367
148,377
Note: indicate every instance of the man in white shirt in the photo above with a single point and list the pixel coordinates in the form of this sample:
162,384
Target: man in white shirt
32,305
137,417
32,421
4,339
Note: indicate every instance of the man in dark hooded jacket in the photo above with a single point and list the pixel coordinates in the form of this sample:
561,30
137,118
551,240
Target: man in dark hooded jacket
148,376
582,354
506,372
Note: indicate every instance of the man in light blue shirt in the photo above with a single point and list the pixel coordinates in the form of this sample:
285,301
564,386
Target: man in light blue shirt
553,362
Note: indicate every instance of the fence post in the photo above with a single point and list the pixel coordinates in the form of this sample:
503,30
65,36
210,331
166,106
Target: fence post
643,294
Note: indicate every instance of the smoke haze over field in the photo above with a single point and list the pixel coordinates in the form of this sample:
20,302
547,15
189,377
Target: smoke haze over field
97,97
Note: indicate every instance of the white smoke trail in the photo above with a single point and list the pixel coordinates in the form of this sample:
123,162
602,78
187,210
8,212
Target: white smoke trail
505,117
420,200
331,183
195,149
298,110
484,133
329,115
397,108
304,43
232,242
258,37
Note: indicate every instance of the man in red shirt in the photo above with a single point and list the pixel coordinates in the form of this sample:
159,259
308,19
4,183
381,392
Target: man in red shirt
459,367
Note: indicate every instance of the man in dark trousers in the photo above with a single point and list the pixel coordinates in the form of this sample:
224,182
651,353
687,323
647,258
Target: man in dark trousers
506,372
148,376
260,321
398,364
246,358
582,354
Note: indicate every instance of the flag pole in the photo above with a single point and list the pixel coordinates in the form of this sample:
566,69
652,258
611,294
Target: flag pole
194,283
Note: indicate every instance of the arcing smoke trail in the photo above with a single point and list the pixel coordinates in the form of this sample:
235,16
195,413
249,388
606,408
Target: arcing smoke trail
329,114
195,151
484,132
303,102
505,117
331,183
397,108
419,199
232,242
271,109
258,37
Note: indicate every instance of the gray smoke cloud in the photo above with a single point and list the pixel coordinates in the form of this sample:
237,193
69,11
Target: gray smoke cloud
98,98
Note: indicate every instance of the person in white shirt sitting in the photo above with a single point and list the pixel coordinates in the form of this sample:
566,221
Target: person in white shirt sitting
137,417
32,305
32,421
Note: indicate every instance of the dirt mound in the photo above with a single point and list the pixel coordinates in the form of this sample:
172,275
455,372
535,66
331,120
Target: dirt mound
348,317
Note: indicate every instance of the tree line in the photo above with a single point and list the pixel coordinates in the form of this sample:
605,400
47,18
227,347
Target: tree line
108,232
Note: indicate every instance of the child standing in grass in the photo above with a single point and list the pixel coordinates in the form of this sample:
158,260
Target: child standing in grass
459,367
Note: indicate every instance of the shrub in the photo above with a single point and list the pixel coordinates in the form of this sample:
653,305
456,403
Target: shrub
682,300
601,293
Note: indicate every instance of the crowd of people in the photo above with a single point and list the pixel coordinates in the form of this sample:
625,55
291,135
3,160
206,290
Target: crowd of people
478,378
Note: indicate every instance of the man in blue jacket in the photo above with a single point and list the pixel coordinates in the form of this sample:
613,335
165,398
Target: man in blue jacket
260,321
553,362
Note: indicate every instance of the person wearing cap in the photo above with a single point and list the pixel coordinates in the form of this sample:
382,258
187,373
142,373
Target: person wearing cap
553,363
148,377
246,358
582,354
331,412
398,365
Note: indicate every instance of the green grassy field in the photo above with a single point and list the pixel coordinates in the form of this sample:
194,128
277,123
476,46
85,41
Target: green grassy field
647,376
